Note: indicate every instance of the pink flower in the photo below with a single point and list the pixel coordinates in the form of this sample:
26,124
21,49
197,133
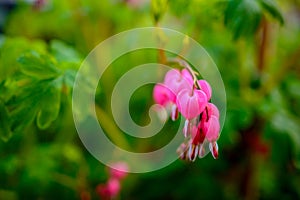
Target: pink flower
213,110
205,87
119,170
191,103
177,81
205,131
113,185
109,190
162,95
166,93
212,135
210,126
187,76
190,98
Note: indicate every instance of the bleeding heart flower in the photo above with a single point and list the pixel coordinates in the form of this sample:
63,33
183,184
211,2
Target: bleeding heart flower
213,110
176,82
191,103
162,95
187,76
189,97
205,87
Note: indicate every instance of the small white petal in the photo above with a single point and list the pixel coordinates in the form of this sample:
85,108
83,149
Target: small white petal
214,149
193,151
186,128
201,151
174,112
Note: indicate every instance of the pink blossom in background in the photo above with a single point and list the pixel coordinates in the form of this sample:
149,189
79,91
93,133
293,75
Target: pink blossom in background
119,170
112,187
109,190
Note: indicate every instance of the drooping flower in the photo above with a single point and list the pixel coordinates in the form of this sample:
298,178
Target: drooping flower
213,110
191,98
188,77
205,87
177,81
166,93
162,95
191,104
210,127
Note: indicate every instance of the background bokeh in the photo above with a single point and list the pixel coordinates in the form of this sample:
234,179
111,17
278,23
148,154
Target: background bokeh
255,44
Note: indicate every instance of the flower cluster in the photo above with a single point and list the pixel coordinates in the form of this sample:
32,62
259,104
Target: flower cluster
112,188
182,93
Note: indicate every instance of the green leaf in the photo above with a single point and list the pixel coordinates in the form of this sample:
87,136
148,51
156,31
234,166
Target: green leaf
49,108
39,99
270,6
5,132
38,66
63,52
243,17
69,78
10,51
23,115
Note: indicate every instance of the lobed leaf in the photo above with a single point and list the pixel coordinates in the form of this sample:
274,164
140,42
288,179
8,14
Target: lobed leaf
63,52
38,66
270,6
49,108
244,16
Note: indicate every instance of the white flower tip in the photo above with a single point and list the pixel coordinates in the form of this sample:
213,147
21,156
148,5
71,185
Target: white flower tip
201,151
214,149
186,128
174,112
193,152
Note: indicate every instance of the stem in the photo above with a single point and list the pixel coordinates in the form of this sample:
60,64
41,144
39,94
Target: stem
113,132
162,58
263,43
65,180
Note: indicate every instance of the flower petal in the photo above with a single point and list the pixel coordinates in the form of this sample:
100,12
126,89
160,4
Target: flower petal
162,95
214,149
204,85
174,112
187,76
193,152
188,104
213,110
213,129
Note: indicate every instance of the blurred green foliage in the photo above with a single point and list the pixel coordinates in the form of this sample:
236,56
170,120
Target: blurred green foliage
255,44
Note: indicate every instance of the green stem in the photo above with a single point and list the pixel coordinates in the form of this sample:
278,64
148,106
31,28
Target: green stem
113,132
